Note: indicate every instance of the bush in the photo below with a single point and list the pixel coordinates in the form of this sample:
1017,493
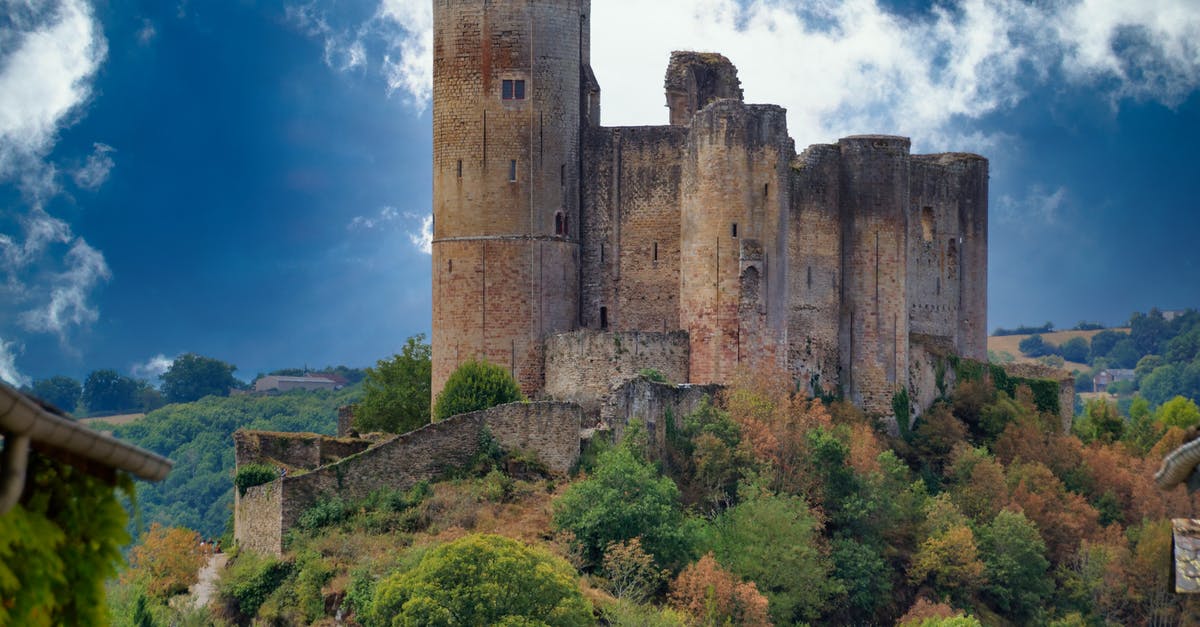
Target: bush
248,582
475,385
713,596
653,375
482,580
251,475
1035,346
326,512
1075,349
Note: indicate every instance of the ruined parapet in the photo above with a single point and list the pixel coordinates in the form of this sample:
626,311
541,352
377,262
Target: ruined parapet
584,366
1049,381
947,250
652,404
815,269
695,79
294,450
873,194
733,267
549,431
345,422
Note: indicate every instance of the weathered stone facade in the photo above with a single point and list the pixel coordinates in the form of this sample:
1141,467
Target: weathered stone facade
353,469
824,264
585,366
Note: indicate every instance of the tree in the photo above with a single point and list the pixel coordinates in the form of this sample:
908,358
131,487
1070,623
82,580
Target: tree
713,596
396,391
1124,354
1178,412
630,571
625,498
1035,346
62,392
475,385
1104,341
191,377
948,557
1014,559
792,569
167,562
1075,349
482,580
1101,422
106,390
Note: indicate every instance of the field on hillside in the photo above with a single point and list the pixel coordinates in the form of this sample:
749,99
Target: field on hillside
1010,344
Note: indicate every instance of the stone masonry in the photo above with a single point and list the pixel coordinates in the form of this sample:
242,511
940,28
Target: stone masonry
827,264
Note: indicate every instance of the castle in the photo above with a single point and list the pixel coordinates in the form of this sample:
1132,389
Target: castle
698,247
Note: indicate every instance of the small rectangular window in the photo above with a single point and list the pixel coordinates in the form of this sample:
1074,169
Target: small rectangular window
512,89
460,168
734,229
512,170
656,251
604,317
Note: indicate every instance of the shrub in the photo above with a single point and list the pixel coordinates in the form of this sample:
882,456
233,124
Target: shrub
251,475
326,512
248,582
630,571
713,596
475,385
653,375
482,580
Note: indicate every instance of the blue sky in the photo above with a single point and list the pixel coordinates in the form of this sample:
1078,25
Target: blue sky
251,180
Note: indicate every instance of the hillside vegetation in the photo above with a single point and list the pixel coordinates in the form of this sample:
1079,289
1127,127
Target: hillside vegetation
767,508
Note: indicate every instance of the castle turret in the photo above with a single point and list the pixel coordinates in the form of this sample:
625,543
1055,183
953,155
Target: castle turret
506,161
873,193
733,238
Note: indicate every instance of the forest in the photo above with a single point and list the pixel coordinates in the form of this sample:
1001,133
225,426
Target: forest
762,507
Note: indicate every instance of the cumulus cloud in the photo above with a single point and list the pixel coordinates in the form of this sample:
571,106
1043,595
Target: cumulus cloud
422,238
846,66
44,81
152,368
396,43
8,364
49,55
93,173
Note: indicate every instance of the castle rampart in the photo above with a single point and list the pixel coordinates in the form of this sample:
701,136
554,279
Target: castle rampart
585,366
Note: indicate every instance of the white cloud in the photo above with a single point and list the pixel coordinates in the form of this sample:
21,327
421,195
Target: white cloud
422,238
850,66
385,215
68,295
93,173
1039,207
153,367
8,364
146,33
44,81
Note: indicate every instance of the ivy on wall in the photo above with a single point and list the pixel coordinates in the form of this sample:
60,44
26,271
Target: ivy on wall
59,545
1045,391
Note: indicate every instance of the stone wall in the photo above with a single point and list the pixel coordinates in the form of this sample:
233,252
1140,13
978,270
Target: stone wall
652,403
548,430
585,366
296,450
1066,387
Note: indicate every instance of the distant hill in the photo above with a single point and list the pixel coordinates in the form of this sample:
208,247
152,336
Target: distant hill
1010,344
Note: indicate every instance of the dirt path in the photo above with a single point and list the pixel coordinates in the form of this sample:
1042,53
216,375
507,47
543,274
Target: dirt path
206,588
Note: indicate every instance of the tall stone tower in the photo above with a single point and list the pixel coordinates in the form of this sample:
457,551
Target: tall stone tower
506,168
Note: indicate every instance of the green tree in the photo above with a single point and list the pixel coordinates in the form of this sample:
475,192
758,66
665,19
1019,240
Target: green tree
1014,559
1124,354
1143,431
1035,346
625,498
1075,349
191,377
396,391
1100,423
475,385
1178,412
775,541
106,390
482,580
62,392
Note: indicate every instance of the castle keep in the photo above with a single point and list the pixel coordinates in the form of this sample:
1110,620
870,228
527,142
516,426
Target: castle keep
699,247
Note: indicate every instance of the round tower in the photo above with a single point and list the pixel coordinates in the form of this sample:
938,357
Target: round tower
874,193
506,167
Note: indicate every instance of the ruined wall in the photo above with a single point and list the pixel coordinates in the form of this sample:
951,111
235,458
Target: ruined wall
630,245
548,430
733,238
652,403
506,180
695,79
584,366
874,192
815,269
297,450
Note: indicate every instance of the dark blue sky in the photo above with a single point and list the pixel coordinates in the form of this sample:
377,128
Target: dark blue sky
261,171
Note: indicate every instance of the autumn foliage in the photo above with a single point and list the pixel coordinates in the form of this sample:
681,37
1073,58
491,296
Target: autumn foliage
711,595
167,561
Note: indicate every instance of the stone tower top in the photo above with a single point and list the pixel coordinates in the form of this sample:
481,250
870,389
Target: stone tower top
695,79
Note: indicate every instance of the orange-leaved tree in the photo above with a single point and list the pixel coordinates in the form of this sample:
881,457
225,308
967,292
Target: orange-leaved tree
167,561
713,596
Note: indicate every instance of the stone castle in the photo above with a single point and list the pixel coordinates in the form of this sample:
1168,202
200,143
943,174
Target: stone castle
575,254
